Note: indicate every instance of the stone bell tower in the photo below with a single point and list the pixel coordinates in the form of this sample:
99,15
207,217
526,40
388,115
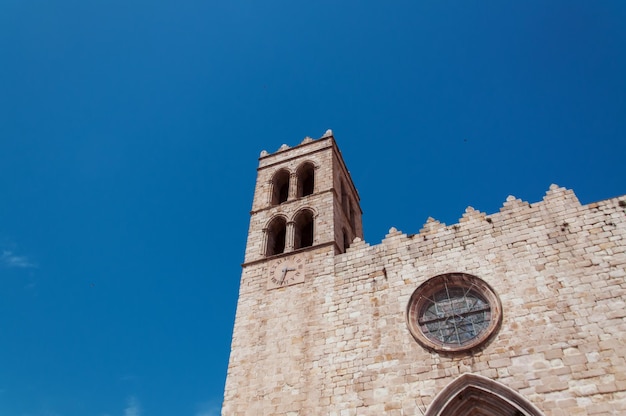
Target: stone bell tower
304,197
305,211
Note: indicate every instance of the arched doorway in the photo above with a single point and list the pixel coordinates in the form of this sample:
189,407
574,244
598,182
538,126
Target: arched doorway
474,395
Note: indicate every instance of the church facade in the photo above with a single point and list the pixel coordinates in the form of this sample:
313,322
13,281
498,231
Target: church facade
517,313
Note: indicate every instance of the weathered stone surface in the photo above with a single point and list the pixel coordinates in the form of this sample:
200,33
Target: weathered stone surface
338,344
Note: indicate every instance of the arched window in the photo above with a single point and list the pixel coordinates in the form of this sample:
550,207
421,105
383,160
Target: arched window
303,236
346,241
280,187
352,217
276,233
471,394
306,179
345,203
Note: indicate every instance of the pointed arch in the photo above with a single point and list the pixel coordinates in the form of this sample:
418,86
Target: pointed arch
306,179
472,394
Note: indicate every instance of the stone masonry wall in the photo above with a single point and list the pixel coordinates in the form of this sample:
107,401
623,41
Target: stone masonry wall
559,269
338,344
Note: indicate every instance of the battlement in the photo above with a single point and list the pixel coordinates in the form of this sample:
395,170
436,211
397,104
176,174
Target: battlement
560,207
307,145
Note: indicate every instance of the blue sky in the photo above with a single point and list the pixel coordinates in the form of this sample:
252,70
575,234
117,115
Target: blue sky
129,137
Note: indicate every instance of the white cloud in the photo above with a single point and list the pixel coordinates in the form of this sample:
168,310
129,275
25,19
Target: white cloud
211,408
213,412
10,259
133,408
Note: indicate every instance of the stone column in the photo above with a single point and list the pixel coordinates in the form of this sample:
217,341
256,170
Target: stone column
264,242
270,186
293,186
290,236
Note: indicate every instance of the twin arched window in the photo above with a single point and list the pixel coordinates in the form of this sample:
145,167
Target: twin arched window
305,180
278,239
